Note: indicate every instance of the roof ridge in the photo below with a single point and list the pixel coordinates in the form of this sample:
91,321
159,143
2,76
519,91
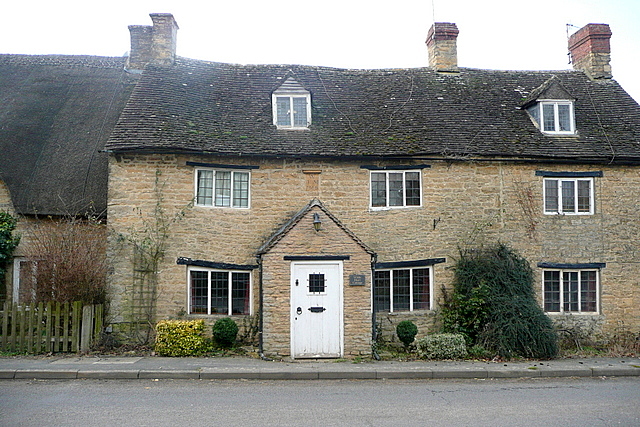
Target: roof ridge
63,60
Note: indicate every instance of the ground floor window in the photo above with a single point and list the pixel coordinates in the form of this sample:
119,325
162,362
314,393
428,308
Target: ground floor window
570,291
219,292
402,289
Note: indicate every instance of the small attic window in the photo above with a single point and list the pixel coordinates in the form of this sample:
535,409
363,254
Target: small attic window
553,117
291,105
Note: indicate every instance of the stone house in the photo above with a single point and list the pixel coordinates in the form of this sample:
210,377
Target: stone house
319,206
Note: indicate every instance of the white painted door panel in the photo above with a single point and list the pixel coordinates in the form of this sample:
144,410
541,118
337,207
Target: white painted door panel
316,309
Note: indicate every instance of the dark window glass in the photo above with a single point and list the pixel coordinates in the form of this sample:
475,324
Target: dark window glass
219,292
378,189
382,290
551,195
396,196
570,290
588,292
421,294
413,188
240,293
199,287
552,291
316,283
401,290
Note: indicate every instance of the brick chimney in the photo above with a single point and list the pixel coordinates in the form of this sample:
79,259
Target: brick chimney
590,50
441,43
153,44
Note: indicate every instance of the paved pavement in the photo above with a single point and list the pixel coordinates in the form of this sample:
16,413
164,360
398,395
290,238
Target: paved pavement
111,367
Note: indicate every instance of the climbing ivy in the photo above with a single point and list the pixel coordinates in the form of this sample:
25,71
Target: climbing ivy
149,243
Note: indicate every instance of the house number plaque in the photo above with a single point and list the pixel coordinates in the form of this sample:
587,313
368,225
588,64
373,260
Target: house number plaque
356,280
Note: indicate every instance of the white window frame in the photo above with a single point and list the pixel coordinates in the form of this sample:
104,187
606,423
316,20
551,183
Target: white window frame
388,189
538,116
291,96
230,273
411,285
559,208
213,204
579,291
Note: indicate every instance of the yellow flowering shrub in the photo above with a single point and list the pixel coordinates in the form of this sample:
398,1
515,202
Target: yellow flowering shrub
181,338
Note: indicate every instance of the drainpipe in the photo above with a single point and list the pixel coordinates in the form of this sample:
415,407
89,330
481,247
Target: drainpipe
374,332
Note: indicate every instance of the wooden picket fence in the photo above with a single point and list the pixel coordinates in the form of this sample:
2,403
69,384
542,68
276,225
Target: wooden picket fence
49,328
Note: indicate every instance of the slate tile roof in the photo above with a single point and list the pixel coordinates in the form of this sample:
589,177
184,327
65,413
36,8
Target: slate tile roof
56,113
225,109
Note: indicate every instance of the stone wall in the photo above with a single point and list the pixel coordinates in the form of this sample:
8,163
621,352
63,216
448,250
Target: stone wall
464,203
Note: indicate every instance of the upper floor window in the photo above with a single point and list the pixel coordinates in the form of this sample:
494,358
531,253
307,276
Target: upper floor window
219,291
222,188
553,117
291,105
569,196
570,291
395,188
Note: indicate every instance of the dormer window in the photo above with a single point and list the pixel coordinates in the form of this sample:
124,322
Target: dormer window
553,117
291,106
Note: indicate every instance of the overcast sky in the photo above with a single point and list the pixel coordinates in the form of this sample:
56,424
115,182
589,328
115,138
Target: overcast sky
494,34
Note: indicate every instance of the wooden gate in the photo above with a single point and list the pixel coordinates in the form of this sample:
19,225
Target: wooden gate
49,328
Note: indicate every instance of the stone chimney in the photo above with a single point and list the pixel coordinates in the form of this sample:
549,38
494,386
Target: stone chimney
153,44
441,43
590,50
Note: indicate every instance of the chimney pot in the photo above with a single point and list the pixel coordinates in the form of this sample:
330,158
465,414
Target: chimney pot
442,46
591,51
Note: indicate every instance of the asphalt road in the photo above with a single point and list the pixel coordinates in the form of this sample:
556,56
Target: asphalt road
512,402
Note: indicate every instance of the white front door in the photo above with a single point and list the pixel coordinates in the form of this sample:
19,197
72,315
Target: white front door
316,309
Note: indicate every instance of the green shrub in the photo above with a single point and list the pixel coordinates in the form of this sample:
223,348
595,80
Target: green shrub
478,352
8,242
493,304
178,338
406,331
442,346
225,331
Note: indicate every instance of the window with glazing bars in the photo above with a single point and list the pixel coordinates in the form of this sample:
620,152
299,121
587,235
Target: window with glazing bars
222,188
395,189
292,111
570,196
402,289
570,291
219,292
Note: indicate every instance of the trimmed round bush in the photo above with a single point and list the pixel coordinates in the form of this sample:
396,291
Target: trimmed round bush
225,331
406,331
179,338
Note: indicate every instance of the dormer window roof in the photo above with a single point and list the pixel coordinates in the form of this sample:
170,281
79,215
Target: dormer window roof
291,105
550,106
